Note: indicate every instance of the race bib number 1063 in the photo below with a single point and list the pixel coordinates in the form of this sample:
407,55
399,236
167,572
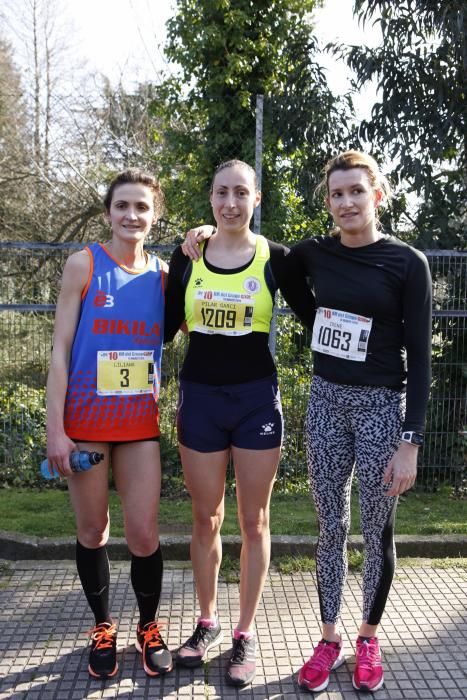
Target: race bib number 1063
341,334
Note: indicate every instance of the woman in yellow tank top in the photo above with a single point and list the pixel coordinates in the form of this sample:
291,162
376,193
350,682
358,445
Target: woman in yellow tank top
229,403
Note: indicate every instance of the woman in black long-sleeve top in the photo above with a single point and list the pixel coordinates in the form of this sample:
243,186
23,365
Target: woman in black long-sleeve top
372,347
371,350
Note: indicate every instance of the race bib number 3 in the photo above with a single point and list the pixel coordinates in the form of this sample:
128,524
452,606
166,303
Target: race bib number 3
227,313
341,334
125,372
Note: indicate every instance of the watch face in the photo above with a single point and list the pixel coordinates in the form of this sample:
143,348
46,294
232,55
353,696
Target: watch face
413,437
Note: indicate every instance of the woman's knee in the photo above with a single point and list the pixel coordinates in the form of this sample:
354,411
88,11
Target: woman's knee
333,533
94,533
207,523
254,527
142,535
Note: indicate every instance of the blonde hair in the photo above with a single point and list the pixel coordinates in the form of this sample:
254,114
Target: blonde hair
347,160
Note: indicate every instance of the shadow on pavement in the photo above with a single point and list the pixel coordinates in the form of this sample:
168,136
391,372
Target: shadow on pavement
44,620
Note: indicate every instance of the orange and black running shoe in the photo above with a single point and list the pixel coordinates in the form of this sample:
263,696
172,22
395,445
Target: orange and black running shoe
157,659
103,654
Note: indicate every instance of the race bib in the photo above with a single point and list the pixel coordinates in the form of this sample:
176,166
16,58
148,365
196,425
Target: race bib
227,313
341,334
125,372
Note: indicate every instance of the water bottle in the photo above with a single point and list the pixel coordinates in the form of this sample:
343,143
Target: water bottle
79,462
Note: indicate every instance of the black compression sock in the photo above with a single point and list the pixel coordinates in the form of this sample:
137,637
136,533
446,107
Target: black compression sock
94,573
146,579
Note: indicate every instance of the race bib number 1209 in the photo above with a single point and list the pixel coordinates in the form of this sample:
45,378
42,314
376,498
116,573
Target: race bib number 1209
341,334
223,312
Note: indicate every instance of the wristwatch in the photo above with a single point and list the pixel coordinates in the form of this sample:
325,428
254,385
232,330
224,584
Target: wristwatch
413,437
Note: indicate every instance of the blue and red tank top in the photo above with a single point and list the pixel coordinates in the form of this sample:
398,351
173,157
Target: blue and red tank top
114,375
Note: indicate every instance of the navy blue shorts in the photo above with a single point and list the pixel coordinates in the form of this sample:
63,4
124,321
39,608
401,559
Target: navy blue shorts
247,415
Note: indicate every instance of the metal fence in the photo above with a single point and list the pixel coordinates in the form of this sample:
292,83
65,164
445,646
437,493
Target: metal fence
28,289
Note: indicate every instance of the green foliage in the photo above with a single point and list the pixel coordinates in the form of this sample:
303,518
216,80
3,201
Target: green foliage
294,564
230,569
172,477
230,51
447,411
22,435
234,44
420,119
448,563
22,404
293,359
355,559
446,442
298,564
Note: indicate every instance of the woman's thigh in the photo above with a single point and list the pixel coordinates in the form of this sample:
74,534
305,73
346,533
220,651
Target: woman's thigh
255,473
204,474
330,457
89,495
137,473
378,437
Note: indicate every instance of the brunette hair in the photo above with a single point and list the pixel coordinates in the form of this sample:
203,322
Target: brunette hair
232,164
138,177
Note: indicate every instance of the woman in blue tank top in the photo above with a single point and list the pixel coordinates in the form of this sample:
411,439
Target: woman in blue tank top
102,393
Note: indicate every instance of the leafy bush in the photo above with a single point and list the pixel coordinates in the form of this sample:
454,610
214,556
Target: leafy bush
23,438
22,435
293,359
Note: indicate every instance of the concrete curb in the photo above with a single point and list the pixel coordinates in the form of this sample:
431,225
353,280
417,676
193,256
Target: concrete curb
177,547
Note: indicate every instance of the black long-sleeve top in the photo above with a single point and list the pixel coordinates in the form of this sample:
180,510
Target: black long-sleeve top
218,359
390,282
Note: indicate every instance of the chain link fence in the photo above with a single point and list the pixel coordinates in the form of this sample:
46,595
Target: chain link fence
28,291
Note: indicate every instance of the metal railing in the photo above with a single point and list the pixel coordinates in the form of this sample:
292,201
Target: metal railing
28,290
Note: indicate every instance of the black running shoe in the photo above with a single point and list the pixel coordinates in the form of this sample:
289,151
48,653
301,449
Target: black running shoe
157,659
193,652
241,668
103,654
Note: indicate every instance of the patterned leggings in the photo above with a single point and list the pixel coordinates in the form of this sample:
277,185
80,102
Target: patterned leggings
347,426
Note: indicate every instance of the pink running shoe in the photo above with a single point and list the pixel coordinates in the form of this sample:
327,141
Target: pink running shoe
368,674
314,675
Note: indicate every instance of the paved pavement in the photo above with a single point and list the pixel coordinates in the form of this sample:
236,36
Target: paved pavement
44,620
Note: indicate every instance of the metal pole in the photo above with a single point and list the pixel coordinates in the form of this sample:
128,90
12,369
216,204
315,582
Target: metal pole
258,158
257,215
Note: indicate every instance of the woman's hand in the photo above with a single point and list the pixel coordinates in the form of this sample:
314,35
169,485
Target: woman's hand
59,448
190,246
402,469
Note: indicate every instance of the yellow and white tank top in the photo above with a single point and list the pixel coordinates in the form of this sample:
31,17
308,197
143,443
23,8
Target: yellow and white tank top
232,304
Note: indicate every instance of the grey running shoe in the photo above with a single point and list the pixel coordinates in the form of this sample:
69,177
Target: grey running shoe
241,668
193,652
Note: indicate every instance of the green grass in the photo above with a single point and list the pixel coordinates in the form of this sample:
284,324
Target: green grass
295,564
48,513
